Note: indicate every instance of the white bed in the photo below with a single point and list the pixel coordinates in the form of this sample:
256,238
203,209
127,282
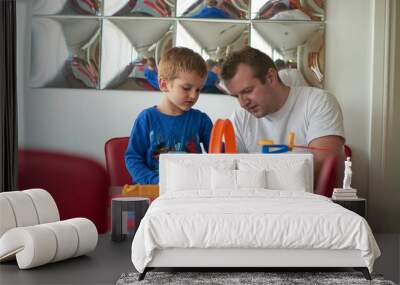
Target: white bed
247,210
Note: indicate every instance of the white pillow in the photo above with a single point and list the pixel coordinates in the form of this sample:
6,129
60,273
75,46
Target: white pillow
223,179
251,178
281,174
237,179
193,175
288,179
182,177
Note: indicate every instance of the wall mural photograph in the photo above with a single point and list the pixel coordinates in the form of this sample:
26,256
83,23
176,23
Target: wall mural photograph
117,44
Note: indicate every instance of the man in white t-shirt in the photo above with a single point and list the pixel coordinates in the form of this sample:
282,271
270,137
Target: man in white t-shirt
270,109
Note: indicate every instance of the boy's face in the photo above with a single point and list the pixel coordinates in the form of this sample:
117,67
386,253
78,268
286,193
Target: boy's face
183,91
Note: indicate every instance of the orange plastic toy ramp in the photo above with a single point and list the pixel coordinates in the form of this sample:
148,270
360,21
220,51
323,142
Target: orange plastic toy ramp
222,129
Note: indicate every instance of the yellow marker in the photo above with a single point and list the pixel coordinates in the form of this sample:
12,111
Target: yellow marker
265,142
291,140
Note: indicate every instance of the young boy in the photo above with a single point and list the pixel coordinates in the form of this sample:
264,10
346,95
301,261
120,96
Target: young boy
150,73
172,125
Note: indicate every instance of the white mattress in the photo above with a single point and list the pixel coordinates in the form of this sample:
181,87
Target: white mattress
252,219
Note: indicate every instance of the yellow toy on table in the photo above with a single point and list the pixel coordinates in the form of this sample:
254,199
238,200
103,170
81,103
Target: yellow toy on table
268,146
150,191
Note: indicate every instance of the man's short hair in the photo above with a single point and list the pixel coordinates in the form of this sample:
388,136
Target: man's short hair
258,61
180,59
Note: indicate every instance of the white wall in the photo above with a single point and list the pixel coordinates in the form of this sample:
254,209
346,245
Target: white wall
363,68
82,120
348,76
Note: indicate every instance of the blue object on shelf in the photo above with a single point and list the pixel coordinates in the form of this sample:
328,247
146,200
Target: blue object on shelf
275,148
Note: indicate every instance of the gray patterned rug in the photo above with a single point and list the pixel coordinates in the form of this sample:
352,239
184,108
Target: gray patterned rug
231,278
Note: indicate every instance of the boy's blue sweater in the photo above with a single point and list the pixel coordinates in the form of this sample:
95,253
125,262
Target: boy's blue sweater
151,77
210,84
154,133
212,12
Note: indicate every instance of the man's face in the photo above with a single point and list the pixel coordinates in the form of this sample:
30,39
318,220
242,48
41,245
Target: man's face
254,96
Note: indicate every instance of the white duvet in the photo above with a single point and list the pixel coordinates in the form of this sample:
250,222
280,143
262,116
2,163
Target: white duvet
254,218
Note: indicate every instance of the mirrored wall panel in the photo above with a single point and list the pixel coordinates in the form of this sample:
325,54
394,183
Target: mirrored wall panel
118,44
288,10
213,9
138,8
294,47
129,56
65,53
67,7
214,41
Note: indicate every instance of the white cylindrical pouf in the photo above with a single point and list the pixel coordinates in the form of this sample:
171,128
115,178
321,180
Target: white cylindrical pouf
45,205
87,235
23,207
67,239
7,218
34,246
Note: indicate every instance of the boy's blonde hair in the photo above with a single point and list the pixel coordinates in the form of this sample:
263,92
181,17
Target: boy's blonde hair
180,59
